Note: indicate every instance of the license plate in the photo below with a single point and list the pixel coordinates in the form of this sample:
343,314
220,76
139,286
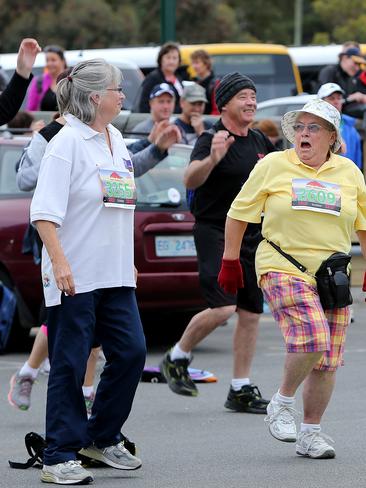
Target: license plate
171,246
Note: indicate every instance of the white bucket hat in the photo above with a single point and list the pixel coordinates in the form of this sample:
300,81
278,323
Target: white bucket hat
321,109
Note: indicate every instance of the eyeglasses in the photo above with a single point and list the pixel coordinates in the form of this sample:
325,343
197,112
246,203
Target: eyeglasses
118,89
312,128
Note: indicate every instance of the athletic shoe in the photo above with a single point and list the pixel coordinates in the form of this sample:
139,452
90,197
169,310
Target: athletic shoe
314,445
116,456
20,391
247,399
89,400
177,376
281,421
68,473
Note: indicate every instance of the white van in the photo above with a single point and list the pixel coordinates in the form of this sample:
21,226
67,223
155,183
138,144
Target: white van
132,75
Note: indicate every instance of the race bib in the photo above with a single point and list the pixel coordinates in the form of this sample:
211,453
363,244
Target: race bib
316,196
118,187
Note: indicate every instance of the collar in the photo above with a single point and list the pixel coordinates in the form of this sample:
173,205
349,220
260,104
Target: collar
330,163
85,130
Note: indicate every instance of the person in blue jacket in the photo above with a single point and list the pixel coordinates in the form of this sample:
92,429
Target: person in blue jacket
351,147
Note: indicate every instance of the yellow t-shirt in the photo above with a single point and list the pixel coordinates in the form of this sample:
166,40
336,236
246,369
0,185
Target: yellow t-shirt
309,213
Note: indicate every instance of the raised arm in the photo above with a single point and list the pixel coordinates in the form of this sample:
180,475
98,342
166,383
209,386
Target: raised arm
12,97
199,170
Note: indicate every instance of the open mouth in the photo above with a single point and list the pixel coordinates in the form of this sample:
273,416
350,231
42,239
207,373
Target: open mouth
305,145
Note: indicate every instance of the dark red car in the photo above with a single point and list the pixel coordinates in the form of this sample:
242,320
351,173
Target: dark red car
164,249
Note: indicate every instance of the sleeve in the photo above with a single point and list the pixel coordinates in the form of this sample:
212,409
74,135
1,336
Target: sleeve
139,145
147,85
33,98
326,75
358,151
249,203
360,223
12,97
30,163
51,196
202,147
146,159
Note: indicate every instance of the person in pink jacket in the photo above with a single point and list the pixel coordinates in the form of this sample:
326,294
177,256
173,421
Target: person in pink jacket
42,91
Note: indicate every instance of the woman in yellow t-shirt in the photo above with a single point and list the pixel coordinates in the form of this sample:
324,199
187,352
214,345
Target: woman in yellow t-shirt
312,199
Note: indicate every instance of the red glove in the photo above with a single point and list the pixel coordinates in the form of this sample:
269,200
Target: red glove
231,276
364,282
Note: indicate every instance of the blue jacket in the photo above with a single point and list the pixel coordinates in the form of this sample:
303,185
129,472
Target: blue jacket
352,140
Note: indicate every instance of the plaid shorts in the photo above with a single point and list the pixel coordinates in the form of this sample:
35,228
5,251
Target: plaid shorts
305,326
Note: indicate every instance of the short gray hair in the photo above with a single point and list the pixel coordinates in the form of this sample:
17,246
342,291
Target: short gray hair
86,78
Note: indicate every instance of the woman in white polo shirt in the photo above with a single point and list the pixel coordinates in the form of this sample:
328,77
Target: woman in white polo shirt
83,208
312,200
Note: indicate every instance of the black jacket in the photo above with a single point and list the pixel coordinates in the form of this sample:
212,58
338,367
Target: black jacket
12,97
155,78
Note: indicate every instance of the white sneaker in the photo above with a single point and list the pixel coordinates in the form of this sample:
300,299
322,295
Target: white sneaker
315,445
68,473
116,456
281,421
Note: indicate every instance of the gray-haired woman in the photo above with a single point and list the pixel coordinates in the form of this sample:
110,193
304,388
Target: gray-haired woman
83,208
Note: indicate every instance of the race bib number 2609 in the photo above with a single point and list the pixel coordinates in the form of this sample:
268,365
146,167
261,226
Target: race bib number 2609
316,196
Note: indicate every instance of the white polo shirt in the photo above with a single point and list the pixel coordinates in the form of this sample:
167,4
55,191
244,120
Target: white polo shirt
97,240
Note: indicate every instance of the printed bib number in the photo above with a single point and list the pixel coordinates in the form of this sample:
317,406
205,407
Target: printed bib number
119,188
316,196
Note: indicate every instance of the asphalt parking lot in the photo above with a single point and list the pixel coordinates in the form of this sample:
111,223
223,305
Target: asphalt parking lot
196,442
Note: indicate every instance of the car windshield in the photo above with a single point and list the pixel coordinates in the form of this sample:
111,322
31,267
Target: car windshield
163,185
9,156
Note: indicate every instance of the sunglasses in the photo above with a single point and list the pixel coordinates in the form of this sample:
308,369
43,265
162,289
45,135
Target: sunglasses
312,128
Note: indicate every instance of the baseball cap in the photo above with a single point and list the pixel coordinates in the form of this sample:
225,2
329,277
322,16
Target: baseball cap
355,54
194,93
160,90
328,88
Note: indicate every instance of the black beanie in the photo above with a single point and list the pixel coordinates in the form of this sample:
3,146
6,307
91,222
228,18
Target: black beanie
229,86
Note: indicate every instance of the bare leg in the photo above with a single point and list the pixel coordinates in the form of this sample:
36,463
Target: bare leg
91,367
202,324
318,389
244,342
39,350
297,367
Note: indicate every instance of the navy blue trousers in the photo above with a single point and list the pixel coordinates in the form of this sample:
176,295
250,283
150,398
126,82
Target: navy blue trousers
111,316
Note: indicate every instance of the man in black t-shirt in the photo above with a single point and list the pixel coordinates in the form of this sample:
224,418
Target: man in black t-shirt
221,162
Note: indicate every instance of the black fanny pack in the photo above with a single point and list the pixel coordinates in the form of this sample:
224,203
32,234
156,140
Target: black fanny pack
332,278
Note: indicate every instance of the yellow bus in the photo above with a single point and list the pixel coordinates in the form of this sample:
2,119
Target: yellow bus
269,65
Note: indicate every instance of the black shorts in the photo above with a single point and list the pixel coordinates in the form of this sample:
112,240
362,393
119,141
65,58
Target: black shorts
209,240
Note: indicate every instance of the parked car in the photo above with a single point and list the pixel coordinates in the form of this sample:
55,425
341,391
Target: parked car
165,254
279,106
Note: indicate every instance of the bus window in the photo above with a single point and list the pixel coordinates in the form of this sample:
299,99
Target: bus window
269,65
271,73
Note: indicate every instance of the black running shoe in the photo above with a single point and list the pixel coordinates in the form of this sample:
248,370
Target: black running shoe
247,399
177,376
